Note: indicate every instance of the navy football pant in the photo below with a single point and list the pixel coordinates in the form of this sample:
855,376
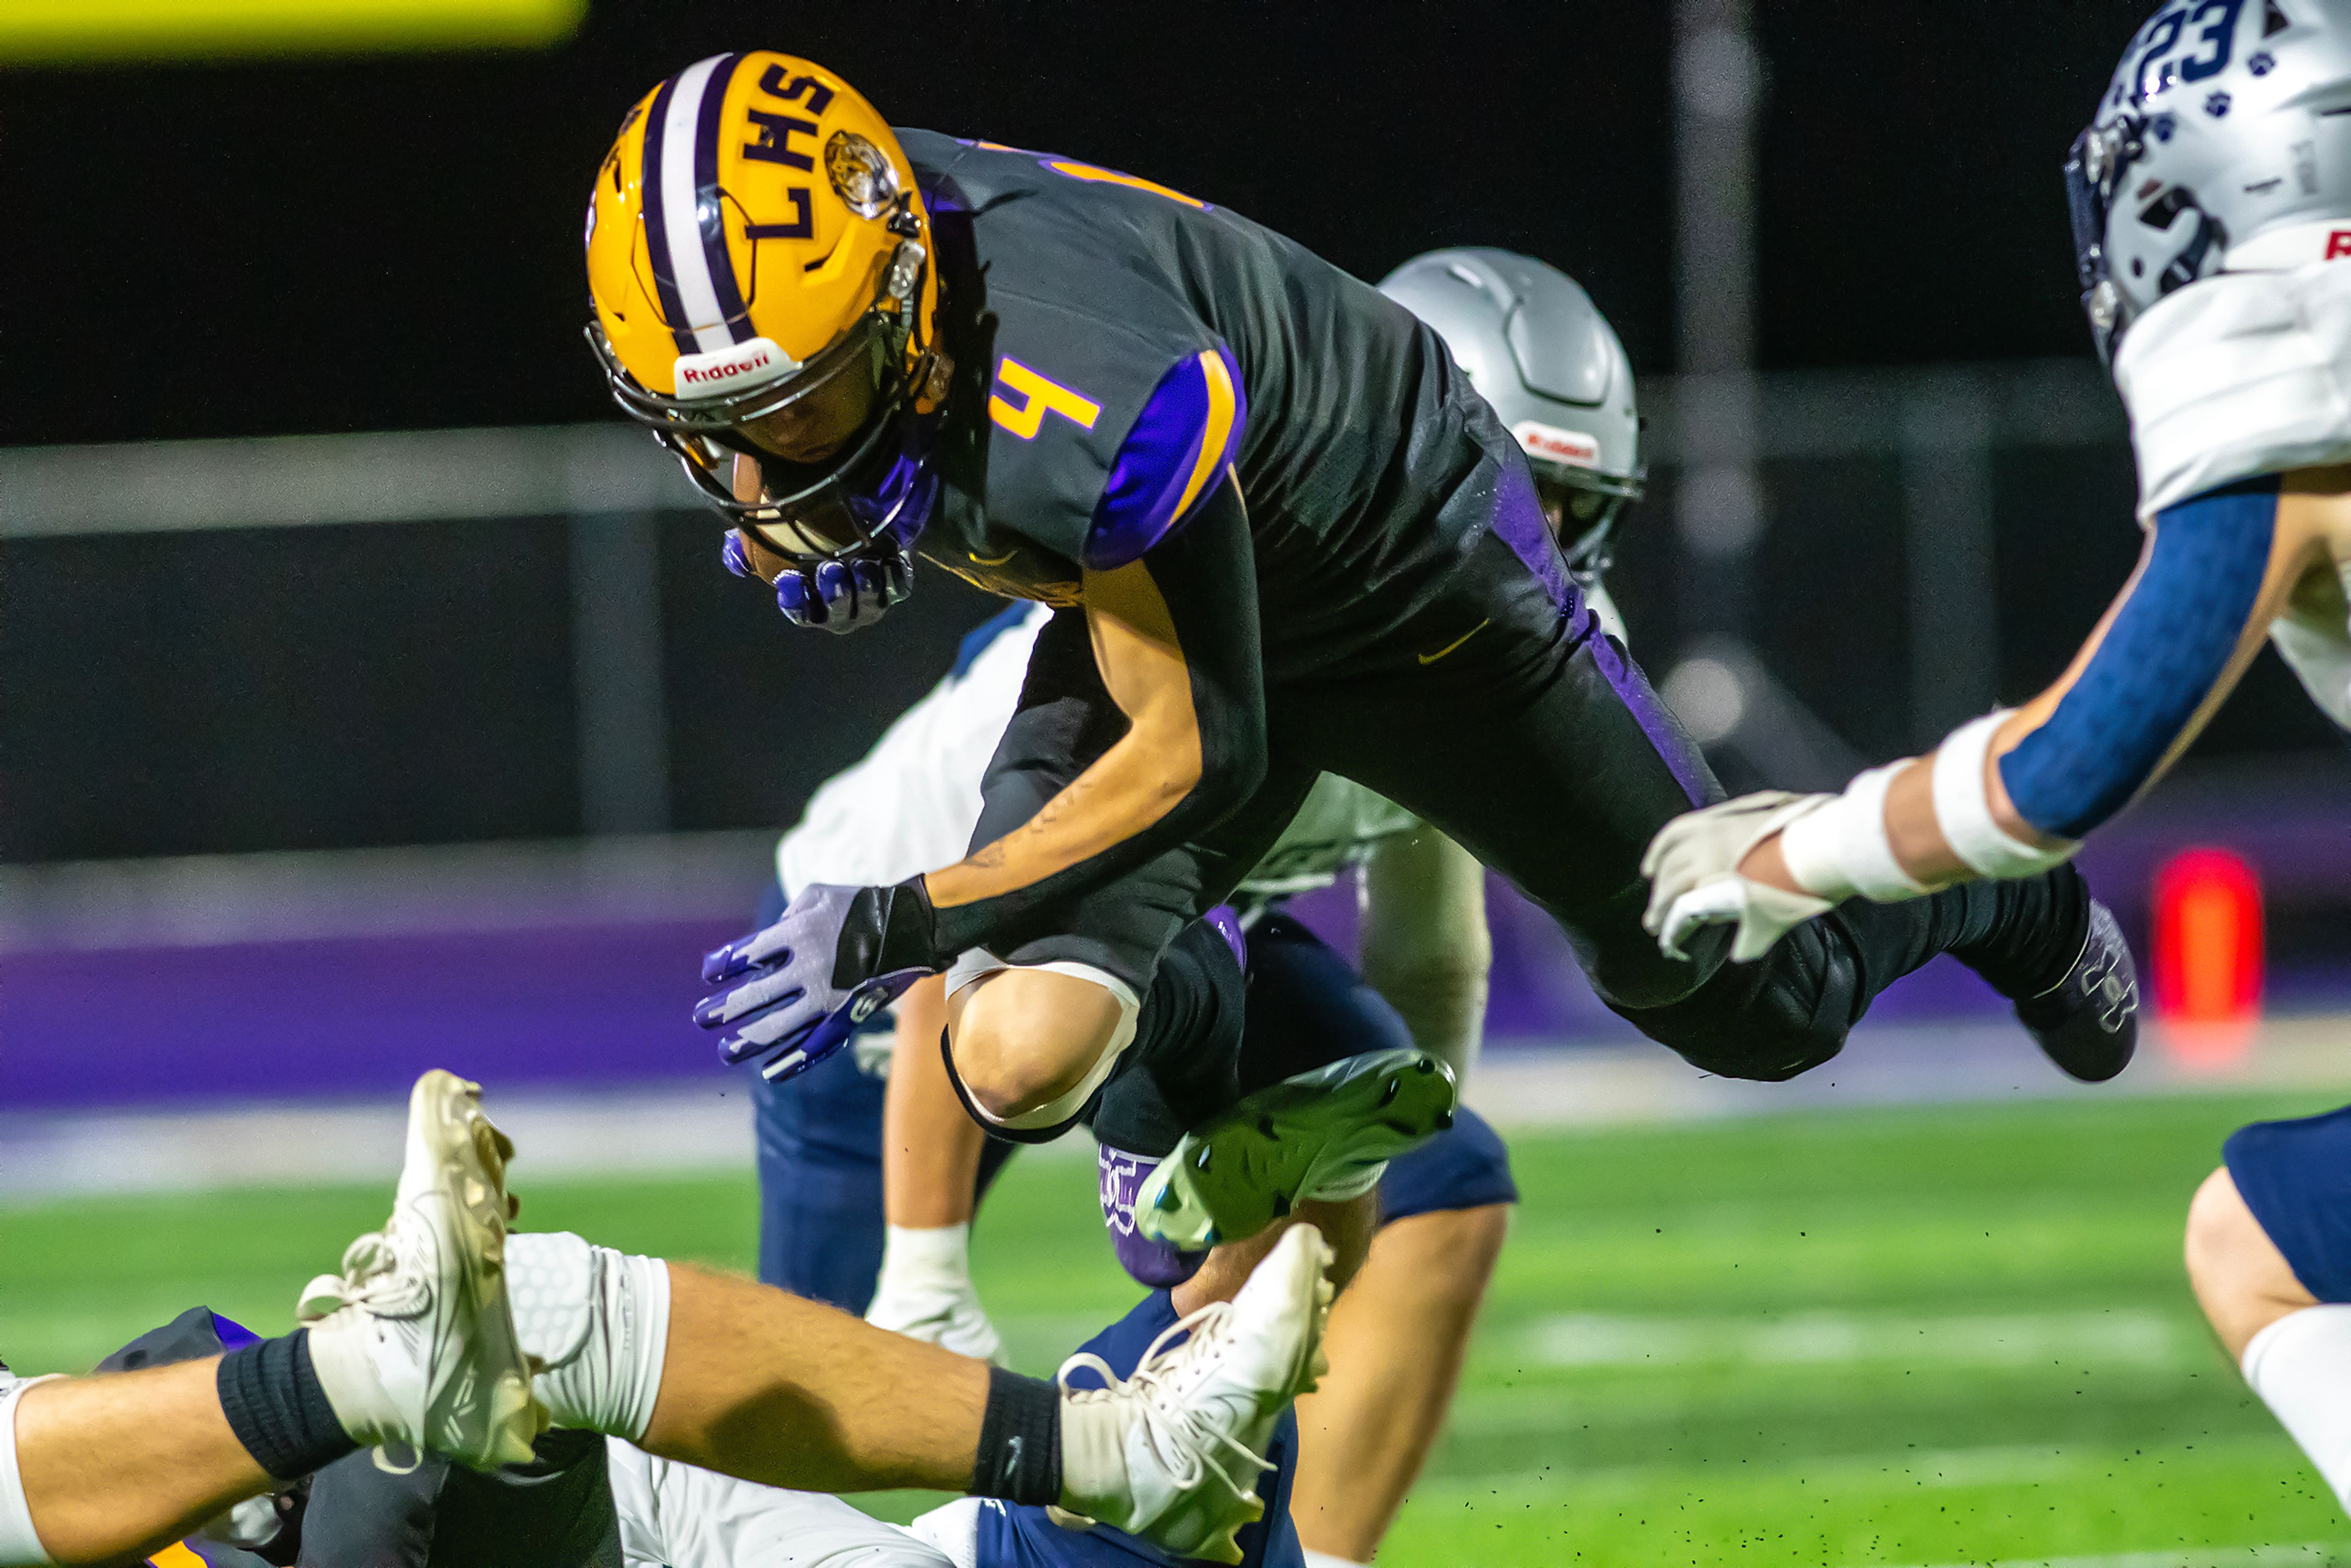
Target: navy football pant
2295,1177
819,1156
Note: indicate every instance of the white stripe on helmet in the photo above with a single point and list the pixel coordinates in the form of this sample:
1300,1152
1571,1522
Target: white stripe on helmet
680,225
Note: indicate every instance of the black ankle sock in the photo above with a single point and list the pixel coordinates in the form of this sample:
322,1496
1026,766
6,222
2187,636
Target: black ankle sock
2023,937
270,1394
1019,1440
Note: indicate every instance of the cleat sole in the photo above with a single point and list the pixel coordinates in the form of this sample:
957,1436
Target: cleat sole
471,1154
1237,1173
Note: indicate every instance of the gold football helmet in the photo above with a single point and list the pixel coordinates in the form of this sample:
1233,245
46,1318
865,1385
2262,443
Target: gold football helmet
759,259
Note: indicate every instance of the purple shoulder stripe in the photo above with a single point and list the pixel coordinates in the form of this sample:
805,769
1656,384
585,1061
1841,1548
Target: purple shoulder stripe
1188,431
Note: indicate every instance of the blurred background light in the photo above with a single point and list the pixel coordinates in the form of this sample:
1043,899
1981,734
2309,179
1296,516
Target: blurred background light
1708,696
68,32
2207,954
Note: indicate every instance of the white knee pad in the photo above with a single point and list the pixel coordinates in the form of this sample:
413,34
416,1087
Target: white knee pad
978,964
600,1321
17,1542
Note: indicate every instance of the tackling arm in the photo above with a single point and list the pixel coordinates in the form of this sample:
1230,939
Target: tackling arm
2012,793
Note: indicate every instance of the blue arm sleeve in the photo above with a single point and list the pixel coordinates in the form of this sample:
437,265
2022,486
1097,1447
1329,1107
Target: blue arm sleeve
2165,651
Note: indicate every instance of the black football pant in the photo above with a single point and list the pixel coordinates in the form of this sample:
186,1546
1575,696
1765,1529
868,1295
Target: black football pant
1502,716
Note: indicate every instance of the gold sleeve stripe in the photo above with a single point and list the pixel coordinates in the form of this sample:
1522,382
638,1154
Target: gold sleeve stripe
1218,433
1132,181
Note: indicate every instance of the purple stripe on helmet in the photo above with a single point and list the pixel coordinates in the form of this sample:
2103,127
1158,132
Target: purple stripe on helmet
709,201
657,236
1157,461
1153,1264
1679,753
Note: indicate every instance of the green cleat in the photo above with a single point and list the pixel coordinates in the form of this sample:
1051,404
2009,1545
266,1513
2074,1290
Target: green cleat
1323,1135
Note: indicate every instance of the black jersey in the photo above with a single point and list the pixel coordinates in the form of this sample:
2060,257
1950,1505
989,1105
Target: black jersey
1118,345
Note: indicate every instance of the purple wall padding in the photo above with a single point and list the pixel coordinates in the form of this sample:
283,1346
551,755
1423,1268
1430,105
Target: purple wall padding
566,1003
552,1006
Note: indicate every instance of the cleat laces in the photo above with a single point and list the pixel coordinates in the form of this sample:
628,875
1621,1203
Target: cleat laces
1180,1434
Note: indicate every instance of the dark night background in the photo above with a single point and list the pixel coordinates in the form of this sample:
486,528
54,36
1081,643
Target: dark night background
393,242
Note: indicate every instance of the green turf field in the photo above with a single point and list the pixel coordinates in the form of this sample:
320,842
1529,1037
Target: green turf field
1918,1336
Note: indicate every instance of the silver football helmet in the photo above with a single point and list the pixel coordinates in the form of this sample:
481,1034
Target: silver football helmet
1531,340
2223,142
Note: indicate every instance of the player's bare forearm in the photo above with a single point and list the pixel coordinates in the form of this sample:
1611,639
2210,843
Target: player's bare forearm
1131,785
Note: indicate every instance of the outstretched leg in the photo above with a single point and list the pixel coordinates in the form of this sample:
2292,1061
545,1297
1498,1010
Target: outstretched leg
420,1352
764,1387
1567,766
1399,1337
2269,1254
106,1467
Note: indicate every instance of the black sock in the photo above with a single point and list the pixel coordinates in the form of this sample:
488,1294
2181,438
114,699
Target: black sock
270,1394
1019,1440
2021,936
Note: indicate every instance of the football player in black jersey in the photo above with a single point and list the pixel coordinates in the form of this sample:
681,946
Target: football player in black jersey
1284,534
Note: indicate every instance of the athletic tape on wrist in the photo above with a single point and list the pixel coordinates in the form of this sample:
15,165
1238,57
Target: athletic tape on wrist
1963,807
925,1259
18,1543
1842,848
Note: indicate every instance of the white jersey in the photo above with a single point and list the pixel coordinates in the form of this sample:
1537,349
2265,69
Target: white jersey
678,1516
909,804
2245,374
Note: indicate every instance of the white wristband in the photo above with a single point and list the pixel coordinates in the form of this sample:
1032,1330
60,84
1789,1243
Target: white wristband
1963,807
1842,848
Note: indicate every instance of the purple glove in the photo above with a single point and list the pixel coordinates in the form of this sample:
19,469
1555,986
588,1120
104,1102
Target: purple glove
838,595
838,956
842,596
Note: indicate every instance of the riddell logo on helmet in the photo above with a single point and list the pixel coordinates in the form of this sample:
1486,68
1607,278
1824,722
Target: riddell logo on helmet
1559,446
2338,243
726,373
725,369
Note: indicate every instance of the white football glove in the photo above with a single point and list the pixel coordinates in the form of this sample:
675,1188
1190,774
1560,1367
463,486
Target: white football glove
1693,870
950,1318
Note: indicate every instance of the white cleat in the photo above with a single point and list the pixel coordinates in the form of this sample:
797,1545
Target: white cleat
415,1344
951,1318
1192,1424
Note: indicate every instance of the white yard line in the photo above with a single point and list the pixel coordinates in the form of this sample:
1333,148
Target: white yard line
1888,1064
704,1125
651,1130
2125,1336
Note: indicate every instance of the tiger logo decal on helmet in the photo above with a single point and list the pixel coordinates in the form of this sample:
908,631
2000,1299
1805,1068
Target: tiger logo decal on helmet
759,260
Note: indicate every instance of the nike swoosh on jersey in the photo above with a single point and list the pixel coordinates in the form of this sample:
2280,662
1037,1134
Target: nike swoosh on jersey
1432,658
